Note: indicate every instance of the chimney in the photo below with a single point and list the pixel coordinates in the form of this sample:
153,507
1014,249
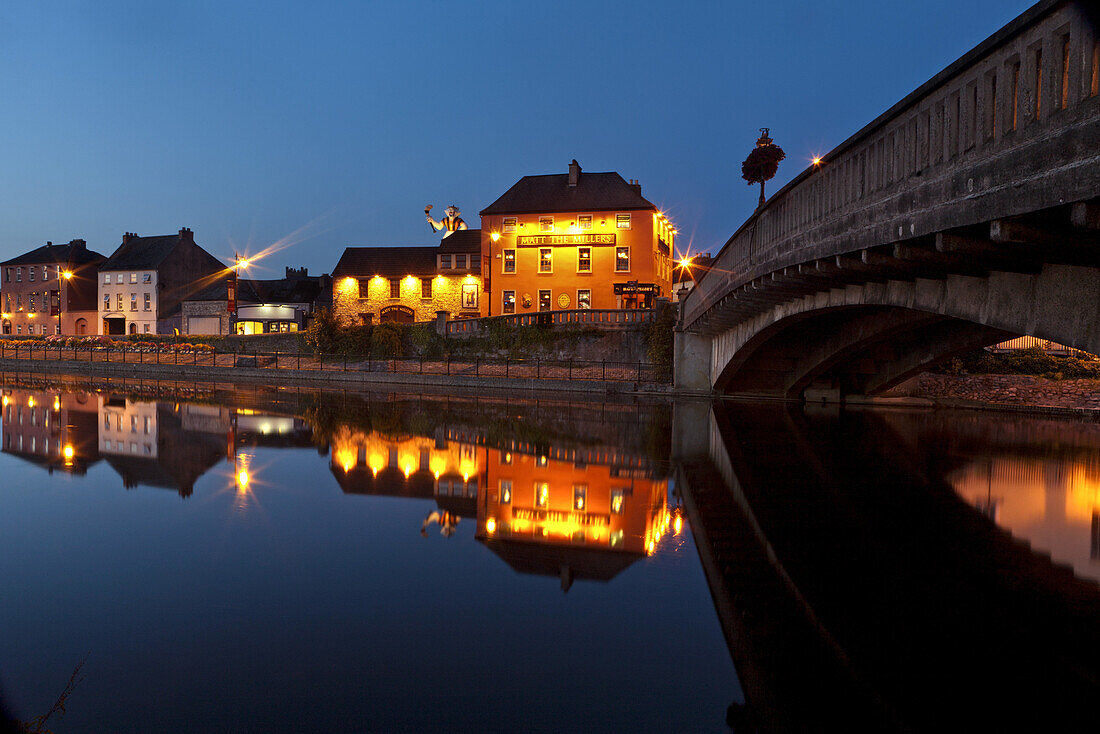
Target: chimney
126,237
574,173
187,234
636,186
76,246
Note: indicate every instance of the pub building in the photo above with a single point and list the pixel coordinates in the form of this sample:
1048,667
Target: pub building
575,240
408,284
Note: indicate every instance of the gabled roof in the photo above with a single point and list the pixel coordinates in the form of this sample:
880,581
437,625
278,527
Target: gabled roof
388,262
552,193
141,253
73,253
464,240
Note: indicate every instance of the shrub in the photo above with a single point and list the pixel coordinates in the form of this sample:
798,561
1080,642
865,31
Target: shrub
386,341
323,334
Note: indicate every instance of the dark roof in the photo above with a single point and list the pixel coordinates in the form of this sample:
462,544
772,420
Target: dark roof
141,253
282,290
393,262
74,253
464,240
552,193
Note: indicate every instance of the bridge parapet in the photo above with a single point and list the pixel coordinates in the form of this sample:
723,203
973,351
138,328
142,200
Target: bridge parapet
1011,128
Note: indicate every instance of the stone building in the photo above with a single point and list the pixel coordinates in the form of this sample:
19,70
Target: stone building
145,281
50,290
575,240
407,284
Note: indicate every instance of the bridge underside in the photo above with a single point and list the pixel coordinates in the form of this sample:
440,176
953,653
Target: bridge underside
862,323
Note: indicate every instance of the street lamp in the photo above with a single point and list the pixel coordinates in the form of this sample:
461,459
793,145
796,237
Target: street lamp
66,274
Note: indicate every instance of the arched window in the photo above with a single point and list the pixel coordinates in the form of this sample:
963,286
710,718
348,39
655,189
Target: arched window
133,328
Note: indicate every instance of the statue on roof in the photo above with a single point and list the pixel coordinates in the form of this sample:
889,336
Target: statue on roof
449,224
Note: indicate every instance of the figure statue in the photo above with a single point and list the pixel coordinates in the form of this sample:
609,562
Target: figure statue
449,224
447,522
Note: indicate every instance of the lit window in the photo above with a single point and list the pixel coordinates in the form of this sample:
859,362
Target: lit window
584,299
509,261
542,460
444,262
580,497
46,272
505,491
618,501
544,301
509,224
546,260
32,300
584,221
622,221
622,259
133,277
616,539
395,287
469,295
119,301
584,259
425,287
542,494
509,302
546,224
506,458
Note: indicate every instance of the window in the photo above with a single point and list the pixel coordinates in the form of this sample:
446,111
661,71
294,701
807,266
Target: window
546,224
469,295
546,260
622,259
584,299
7,275
106,301
46,272
19,275
146,328
622,221
444,262
106,277
509,224
425,287
584,259
460,262
506,458
133,301
584,221
18,301
618,501
119,300
542,494
19,328
30,274
148,302
509,261
395,287
509,302
580,497
133,277
505,491
544,301
32,301
147,278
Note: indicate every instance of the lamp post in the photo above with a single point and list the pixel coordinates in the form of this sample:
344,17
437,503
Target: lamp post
62,276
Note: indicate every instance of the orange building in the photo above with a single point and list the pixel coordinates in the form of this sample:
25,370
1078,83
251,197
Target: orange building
575,240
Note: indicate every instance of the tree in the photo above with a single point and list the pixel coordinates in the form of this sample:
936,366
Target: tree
763,162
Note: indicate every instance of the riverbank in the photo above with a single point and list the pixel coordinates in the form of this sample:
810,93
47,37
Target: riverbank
237,372
1005,392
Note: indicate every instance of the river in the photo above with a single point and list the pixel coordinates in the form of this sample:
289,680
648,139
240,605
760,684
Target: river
262,559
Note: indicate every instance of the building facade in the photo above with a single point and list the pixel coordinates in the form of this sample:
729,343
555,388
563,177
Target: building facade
409,284
143,284
575,240
277,306
50,290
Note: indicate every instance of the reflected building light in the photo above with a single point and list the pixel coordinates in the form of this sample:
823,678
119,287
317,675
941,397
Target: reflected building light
491,525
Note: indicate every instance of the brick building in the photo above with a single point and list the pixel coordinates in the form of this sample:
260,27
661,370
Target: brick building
143,284
575,240
407,284
49,282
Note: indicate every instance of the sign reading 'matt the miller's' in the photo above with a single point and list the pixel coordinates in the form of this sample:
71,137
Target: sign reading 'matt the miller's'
542,240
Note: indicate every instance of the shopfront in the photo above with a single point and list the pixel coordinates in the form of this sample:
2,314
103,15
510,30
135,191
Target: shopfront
633,294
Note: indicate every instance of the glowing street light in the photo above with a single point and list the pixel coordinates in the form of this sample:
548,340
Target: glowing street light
495,236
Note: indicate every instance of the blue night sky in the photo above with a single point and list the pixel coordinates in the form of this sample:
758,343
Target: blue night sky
325,124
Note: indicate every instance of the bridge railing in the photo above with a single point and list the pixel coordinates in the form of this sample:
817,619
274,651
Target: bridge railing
1004,130
600,318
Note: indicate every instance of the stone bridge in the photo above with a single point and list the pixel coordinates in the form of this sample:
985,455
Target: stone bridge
966,214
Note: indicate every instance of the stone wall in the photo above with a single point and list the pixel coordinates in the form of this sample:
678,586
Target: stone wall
352,297
207,308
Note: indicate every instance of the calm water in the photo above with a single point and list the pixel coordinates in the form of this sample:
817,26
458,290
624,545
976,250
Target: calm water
276,560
